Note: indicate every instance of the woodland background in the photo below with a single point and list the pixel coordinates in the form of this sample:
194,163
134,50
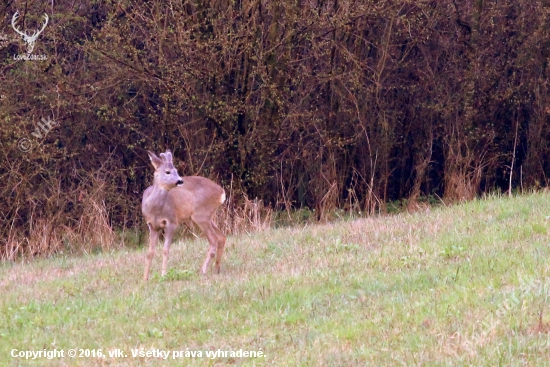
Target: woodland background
290,105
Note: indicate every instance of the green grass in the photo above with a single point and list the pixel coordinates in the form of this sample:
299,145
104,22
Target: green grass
462,285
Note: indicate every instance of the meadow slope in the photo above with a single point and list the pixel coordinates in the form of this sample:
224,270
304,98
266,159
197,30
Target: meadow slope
461,285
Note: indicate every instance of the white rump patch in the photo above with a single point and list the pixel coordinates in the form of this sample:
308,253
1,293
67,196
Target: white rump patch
222,199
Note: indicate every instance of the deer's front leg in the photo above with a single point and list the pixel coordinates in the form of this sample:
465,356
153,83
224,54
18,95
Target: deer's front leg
168,235
153,240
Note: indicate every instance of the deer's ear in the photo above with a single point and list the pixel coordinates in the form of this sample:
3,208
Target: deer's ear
156,161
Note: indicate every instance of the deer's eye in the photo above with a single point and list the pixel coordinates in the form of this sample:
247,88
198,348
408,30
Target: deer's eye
167,172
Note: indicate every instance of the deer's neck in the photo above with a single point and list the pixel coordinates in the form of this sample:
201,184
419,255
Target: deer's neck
155,202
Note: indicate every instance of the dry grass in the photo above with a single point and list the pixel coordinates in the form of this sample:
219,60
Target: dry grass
93,232
245,217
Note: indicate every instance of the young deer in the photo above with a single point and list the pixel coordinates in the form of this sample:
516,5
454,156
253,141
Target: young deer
172,200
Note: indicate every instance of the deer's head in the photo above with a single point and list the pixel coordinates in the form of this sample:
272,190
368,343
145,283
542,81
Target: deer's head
166,175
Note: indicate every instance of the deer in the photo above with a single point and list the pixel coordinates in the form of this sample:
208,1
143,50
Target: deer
30,39
173,200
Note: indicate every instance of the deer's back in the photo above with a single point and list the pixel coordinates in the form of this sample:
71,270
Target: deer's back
197,196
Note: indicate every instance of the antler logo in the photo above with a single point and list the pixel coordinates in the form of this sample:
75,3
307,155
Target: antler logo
30,39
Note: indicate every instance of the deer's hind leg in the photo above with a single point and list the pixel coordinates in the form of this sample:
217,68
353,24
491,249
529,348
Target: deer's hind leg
221,246
206,226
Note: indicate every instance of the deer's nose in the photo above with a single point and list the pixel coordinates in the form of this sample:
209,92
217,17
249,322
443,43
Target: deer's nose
180,182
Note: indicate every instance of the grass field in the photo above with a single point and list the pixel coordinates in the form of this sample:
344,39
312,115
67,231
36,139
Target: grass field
461,285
